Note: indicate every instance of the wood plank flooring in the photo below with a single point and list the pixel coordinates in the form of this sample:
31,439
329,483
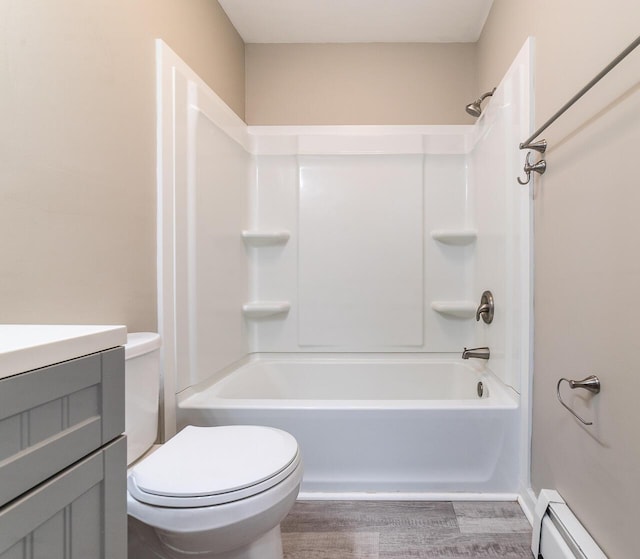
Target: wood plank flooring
405,529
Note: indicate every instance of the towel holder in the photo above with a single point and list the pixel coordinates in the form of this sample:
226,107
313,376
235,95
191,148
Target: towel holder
590,383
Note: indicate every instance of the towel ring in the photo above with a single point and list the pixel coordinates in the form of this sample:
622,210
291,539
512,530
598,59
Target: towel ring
590,383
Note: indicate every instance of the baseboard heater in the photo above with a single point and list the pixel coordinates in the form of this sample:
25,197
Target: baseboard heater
558,534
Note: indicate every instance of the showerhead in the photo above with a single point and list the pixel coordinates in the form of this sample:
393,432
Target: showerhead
474,108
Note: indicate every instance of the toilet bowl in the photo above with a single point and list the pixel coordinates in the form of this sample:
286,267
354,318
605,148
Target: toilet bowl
209,492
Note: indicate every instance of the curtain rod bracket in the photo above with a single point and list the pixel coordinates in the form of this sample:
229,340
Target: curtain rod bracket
540,146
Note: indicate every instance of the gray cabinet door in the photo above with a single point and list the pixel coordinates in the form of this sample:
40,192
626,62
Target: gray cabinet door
78,514
52,417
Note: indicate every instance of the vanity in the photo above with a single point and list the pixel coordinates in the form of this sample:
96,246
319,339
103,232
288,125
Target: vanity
62,452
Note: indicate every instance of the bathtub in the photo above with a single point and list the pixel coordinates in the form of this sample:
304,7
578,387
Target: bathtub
389,425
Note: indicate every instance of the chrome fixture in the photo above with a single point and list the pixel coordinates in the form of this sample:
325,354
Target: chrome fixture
540,167
541,145
590,383
474,108
476,352
480,389
485,310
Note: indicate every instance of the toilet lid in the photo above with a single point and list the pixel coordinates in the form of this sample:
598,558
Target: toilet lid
204,466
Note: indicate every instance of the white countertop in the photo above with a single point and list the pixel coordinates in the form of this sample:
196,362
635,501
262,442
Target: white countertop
24,347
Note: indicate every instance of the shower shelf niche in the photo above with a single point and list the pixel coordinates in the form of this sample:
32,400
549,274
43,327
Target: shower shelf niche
455,236
262,309
458,309
265,238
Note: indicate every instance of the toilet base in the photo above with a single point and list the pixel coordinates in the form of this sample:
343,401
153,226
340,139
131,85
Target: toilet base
145,544
268,546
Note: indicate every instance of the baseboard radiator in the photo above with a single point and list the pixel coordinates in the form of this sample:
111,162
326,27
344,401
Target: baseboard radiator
558,534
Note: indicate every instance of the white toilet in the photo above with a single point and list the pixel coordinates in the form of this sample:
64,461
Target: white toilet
209,492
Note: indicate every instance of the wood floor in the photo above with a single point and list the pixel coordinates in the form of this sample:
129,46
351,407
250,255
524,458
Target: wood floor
403,530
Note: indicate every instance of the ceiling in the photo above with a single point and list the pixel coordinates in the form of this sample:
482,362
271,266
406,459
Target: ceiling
358,21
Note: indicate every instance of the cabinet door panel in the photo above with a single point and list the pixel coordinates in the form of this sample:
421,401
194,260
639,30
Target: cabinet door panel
52,417
30,390
73,514
86,520
18,551
48,540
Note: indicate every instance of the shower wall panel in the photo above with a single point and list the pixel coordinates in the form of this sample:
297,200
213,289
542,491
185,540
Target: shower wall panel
448,269
385,236
361,267
217,268
360,270
203,204
502,208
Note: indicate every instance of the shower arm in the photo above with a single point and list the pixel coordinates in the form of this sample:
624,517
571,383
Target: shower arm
485,95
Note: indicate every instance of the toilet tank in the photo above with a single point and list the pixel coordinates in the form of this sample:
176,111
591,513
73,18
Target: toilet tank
142,392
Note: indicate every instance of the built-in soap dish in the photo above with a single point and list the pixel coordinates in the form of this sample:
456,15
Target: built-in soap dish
457,309
265,238
263,309
459,237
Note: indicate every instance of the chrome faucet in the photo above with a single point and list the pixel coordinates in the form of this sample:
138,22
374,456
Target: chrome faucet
482,309
485,310
476,352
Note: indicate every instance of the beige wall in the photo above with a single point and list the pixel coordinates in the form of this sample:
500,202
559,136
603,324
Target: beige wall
587,271
77,149
360,83
202,35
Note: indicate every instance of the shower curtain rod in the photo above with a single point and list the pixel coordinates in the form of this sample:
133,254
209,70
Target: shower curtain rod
541,145
571,102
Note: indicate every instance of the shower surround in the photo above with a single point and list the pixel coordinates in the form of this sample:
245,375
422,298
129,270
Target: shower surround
336,242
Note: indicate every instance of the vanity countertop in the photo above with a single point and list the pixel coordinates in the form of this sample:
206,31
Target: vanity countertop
24,347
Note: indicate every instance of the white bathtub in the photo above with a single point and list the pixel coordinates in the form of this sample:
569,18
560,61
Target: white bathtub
385,424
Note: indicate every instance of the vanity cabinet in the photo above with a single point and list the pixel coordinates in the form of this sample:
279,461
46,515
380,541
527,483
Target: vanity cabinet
63,460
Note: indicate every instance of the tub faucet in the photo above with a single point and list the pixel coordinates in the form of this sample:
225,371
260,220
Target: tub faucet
477,352
485,310
482,309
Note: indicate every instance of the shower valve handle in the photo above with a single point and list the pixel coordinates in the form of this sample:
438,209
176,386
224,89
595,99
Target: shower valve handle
486,308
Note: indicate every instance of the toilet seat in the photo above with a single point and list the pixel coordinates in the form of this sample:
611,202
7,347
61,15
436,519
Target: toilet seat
205,466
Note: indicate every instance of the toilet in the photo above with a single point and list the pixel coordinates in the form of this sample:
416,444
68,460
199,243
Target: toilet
208,492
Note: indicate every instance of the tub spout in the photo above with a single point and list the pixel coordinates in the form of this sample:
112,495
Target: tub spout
476,352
